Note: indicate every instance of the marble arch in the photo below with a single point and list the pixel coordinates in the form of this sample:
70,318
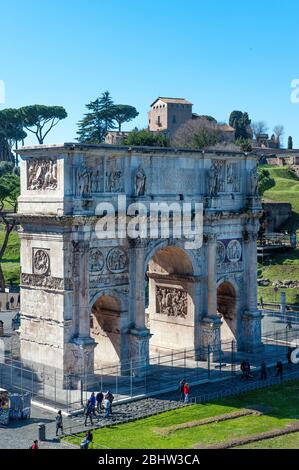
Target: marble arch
66,268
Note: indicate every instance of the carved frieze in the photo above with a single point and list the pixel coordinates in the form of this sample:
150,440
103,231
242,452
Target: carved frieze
172,302
40,261
41,174
47,282
96,280
117,260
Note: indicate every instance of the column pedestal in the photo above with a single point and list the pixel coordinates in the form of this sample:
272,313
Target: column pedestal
210,339
251,328
139,351
79,359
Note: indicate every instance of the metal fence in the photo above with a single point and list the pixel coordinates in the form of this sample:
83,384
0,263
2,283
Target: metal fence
163,372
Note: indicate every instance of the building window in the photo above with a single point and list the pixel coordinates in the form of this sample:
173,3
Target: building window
173,120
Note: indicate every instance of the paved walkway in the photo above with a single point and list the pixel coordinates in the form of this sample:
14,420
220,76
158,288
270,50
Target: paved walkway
20,435
165,402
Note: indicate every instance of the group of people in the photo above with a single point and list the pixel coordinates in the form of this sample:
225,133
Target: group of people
184,391
246,370
97,403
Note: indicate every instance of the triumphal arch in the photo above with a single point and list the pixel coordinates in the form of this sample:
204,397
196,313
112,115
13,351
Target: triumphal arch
88,300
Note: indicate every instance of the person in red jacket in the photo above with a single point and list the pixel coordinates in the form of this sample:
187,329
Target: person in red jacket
34,445
186,392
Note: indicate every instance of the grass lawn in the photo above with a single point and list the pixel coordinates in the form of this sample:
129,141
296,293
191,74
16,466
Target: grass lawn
290,441
280,405
284,266
11,260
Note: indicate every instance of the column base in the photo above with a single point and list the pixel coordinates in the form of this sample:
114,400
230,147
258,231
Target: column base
210,343
79,359
251,338
139,351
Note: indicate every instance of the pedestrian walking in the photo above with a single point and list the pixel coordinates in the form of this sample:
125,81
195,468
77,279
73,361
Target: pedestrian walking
279,370
181,389
243,369
92,400
186,393
89,412
289,355
59,423
87,440
263,371
99,400
107,405
34,445
110,397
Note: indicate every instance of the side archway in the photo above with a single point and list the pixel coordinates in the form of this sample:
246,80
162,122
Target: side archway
171,306
227,309
106,328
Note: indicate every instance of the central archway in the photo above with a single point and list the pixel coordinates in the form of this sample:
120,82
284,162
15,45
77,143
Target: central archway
105,329
226,306
171,311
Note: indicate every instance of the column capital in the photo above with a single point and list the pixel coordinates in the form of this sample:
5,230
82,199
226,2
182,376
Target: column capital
250,236
209,238
80,246
140,243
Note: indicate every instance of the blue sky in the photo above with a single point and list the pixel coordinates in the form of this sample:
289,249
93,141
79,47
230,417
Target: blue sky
221,55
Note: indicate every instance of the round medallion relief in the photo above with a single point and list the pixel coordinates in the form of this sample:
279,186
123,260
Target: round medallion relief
41,262
96,260
234,251
117,260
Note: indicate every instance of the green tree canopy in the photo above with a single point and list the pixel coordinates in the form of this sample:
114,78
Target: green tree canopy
266,182
244,144
241,123
144,137
40,119
9,193
94,125
11,132
124,113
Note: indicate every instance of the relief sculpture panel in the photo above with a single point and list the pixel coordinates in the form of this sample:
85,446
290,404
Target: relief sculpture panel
172,302
41,174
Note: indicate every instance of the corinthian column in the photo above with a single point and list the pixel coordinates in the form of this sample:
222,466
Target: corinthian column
212,276
211,323
139,343
251,324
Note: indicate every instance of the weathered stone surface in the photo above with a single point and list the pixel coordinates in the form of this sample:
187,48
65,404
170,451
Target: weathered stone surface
83,297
